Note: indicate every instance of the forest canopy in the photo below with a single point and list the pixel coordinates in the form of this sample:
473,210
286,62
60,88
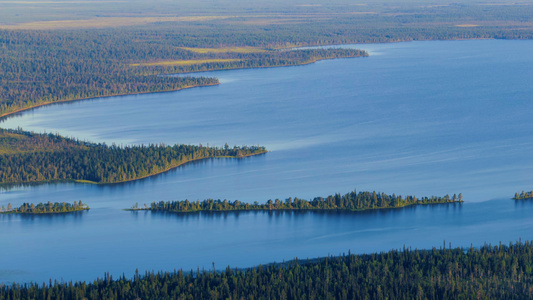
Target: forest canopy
490,272
50,157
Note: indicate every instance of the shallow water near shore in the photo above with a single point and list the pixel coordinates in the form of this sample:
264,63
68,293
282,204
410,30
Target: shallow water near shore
422,118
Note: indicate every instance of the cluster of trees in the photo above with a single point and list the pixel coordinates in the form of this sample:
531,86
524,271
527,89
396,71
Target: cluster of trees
44,67
352,201
490,272
99,162
19,141
44,208
523,195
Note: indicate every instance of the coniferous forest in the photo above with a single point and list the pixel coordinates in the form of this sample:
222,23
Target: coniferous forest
352,201
490,272
51,54
49,157
45,67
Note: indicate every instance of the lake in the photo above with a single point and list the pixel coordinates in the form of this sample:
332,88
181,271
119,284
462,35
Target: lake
421,118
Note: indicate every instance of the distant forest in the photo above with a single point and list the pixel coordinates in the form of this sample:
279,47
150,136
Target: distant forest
352,201
44,67
110,55
490,272
49,157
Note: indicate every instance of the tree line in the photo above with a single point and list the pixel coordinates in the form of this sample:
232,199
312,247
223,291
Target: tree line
44,208
99,163
272,58
489,272
523,195
353,201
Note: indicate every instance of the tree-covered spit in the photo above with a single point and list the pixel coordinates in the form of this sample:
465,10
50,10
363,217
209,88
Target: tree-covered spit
50,157
353,201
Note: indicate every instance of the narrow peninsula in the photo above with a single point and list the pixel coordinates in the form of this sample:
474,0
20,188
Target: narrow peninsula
64,68
44,208
353,201
27,157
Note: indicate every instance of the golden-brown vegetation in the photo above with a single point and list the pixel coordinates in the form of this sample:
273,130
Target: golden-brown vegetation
184,62
12,143
225,50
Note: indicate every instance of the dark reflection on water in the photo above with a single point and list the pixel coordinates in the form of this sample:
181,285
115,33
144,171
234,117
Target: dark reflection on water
20,186
296,214
58,218
525,203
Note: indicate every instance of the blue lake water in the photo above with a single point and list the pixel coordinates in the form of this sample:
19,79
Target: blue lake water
422,118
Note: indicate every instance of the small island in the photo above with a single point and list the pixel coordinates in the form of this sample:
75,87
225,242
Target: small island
353,201
45,208
523,195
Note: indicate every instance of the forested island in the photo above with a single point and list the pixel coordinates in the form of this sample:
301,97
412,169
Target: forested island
44,208
27,157
523,195
353,201
490,272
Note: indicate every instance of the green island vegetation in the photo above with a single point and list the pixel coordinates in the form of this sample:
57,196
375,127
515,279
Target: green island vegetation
523,195
490,272
352,201
28,157
44,208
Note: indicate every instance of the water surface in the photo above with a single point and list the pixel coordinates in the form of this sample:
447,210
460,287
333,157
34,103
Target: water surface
422,118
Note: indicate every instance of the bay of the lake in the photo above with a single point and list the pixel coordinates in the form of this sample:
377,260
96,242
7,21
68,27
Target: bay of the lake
421,118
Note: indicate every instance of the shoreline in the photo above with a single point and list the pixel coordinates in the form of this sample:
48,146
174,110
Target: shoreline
98,97
170,168
2,116
273,66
